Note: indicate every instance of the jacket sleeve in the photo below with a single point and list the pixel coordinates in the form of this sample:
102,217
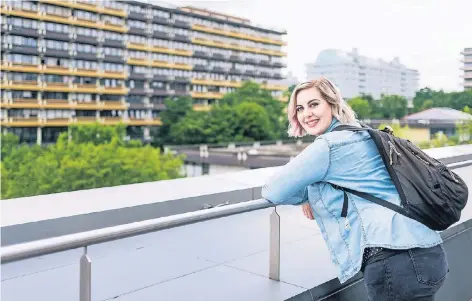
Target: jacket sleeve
288,186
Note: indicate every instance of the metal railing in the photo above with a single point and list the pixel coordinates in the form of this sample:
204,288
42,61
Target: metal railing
83,240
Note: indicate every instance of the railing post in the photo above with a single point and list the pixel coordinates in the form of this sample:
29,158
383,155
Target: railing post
85,277
274,251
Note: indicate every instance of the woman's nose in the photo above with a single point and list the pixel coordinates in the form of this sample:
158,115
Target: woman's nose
307,113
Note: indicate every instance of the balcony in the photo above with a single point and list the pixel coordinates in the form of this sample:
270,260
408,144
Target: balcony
23,122
57,122
113,105
274,87
114,90
236,34
87,88
143,122
18,67
84,120
113,74
111,120
201,108
86,72
139,62
88,7
21,85
20,103
163,64
114,27
220,83
56,104
136,46
171,51
86,105
207,95
58,87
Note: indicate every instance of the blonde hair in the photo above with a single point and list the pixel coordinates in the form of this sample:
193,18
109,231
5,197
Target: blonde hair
339,107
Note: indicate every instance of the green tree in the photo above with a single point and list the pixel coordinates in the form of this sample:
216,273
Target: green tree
176,109
254,122
361,107
252,92
393,106
73,164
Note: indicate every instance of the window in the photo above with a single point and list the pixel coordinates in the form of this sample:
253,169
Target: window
23,59
86,48
51,114
25,94
55,95
18,76
56,10
116,5
137,9
113,20
53,78
56,62
137,39
137,24
113,51
161,14
58,45
23,23
80,97
114,83
135,99
55,27
108,97
113,36
81,64
24,5
23,41
85,15
89,32
113,67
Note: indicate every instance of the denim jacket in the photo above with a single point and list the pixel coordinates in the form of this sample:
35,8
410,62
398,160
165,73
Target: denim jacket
347,159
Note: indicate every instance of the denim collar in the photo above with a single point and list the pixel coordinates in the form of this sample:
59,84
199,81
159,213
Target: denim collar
334,123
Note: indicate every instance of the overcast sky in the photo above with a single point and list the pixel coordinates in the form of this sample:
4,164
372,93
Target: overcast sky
427,35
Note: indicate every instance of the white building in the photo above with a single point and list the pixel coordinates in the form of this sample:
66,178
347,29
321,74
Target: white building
467,68
355,74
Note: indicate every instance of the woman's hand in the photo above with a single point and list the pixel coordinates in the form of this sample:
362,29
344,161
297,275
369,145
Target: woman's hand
307,211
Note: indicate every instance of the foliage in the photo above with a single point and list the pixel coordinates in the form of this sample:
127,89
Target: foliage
74,163
250,113
428,98
361,107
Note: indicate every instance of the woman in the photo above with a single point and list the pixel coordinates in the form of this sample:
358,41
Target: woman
401,258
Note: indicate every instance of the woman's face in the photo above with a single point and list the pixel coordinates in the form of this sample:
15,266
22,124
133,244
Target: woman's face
313,111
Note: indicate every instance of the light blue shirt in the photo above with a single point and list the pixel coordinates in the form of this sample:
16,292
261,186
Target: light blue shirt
347,159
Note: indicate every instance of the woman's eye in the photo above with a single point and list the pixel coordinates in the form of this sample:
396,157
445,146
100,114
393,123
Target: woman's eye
299,109
312,105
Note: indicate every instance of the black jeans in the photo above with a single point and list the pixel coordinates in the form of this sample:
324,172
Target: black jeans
406,275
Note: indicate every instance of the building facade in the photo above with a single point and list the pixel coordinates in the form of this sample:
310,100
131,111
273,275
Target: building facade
357,75
74,62
467,68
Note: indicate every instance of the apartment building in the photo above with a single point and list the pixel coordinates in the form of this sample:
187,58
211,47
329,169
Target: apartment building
356,74
467,68
74,62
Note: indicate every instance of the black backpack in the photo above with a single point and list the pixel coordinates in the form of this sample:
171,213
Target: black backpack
430,192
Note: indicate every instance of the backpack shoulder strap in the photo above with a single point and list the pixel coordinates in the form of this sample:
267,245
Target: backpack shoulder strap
346,127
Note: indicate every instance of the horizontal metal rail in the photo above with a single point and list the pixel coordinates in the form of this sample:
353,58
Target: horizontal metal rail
88,238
